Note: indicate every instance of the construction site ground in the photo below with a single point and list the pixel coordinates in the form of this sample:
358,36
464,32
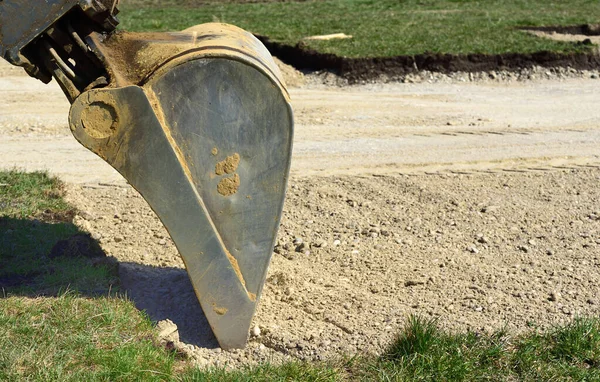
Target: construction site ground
473,199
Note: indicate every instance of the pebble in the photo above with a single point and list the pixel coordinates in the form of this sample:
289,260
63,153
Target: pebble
410,283
298,241
523,248
320,244
336,243
162,242
303,246
489,209
554,296
167,330
256,331
482,239
473,249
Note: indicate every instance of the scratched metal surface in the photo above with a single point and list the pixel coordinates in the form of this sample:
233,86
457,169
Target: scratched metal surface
23,20
207,142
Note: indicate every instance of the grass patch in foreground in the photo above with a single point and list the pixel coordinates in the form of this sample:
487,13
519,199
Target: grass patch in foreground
382,28
424,352
33,217
71,338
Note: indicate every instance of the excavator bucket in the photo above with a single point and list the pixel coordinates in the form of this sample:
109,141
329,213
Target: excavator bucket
199,122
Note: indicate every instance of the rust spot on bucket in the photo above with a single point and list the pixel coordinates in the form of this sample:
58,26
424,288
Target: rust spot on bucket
219,310
229,186
228,165
236,267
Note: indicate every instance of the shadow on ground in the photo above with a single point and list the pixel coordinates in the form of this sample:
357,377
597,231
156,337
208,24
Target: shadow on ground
167,293
45,259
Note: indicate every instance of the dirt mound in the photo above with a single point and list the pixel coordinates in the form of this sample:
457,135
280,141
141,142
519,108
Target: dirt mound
366,69
291,76
356,255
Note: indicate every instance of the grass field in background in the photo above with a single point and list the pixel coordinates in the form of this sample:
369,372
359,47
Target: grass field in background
381,28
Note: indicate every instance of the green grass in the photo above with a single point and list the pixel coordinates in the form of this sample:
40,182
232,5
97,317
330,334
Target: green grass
33,218
71,338
423,352
382,28
73,335
30,194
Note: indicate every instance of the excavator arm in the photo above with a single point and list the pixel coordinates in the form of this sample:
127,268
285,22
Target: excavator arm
198,122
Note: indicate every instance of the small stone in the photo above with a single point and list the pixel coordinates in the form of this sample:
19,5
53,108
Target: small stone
483,240
532,242
410,283
550,252
523,248
594,76
96,236
489,209
398,241
591,301
374,235
554,296
320,244
162,242
167,330
298,241
256,331
117,239
302,247
86,216
473,249
336,243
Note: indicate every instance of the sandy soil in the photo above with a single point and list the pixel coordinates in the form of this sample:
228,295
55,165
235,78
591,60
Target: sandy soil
475,203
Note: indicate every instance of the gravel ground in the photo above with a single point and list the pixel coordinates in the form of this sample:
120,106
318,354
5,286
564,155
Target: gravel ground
357,255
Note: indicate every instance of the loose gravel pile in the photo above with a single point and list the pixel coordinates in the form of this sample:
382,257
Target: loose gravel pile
356,255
